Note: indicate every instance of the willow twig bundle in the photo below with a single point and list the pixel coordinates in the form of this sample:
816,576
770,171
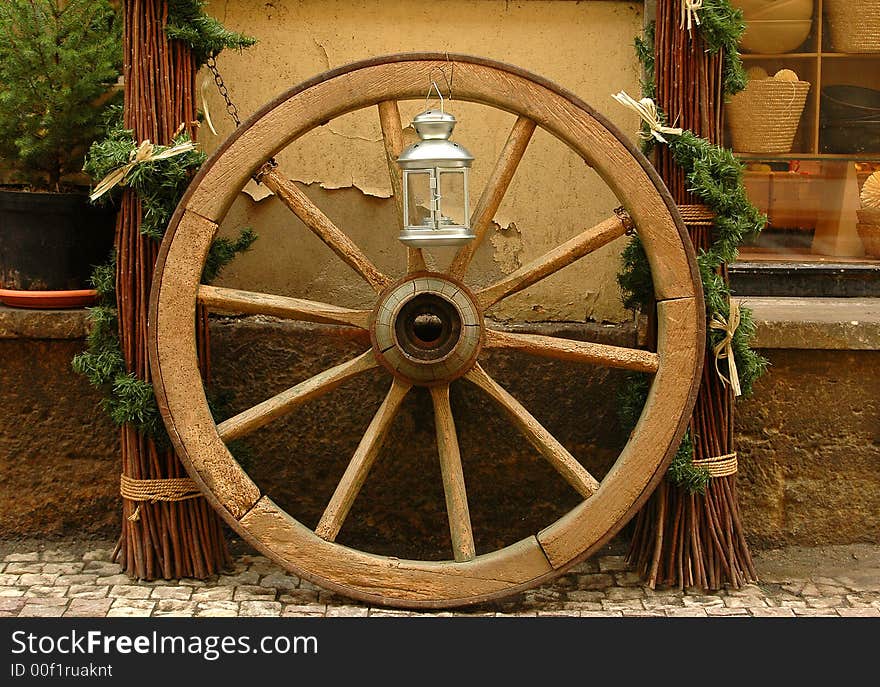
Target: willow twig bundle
682,539
169,539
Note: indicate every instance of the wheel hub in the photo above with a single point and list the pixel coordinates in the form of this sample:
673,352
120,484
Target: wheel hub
427,329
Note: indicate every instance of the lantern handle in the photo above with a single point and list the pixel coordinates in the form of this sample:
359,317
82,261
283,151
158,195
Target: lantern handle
434,87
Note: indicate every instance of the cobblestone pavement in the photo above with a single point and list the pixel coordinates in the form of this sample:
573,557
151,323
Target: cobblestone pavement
79,580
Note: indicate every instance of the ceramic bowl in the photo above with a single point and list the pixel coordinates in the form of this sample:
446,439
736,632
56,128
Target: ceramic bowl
774,37
775,9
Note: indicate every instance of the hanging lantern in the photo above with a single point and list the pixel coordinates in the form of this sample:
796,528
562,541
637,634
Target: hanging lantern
435,184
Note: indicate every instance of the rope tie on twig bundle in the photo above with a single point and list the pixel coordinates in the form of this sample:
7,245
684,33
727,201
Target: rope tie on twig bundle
696,215
145,152
646,109
689,13
155,490
719,466
724,348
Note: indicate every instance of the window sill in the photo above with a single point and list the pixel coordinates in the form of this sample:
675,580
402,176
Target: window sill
822,279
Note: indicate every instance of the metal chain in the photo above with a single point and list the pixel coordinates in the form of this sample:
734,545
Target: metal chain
211,64
232,110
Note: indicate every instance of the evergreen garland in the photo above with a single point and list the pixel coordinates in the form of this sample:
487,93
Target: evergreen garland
127,399
630,402
103,365
159,185
645,55
204,35
224,250
714,176
721,27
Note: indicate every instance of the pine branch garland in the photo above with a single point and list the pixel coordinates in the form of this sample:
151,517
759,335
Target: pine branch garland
133,401
645,55
159,184
721,27
224,250
126,398
715,177
630,402
204,35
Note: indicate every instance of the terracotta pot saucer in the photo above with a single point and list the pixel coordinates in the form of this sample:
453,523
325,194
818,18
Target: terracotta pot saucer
48,300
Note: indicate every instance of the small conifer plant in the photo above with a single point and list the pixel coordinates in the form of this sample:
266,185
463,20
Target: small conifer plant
59,61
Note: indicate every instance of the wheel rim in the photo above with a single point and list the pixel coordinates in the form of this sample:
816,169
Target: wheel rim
429,352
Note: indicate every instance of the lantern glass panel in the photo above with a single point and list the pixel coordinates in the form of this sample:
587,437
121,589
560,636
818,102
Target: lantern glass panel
419,195
453,197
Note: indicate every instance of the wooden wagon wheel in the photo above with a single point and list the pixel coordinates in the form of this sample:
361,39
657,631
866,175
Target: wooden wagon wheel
467,578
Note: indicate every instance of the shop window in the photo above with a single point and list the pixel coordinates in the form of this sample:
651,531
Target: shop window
808,130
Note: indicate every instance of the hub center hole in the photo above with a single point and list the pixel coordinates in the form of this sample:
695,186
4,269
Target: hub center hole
427,327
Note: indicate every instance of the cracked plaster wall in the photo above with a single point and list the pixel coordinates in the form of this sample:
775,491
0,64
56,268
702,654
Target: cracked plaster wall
583,46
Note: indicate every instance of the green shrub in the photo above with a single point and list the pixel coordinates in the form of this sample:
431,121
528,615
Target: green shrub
59,60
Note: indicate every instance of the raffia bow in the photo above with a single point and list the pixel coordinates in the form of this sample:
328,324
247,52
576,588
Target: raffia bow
145,152
689,13
724,348
647,110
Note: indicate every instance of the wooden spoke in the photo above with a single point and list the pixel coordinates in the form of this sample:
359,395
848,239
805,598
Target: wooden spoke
546,444
273,408
255,303
323,227
453,476
577,351
364,457
492,195
570,251
392,136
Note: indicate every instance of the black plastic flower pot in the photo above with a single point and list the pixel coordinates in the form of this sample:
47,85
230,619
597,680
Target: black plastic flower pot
52,241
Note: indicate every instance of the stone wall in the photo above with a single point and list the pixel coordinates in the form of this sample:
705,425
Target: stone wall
809,441
59,454
586,47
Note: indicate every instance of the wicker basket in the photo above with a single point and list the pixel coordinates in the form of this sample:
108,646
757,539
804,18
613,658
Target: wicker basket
869,231
764,118
854,25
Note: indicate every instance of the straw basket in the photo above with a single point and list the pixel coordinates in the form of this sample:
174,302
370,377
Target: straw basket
765,116
869,231
854,25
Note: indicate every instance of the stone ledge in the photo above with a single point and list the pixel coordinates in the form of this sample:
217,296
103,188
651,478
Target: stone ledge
784,323
22,323
816,323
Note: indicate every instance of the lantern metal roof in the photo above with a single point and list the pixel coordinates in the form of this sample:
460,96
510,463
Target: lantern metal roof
434,128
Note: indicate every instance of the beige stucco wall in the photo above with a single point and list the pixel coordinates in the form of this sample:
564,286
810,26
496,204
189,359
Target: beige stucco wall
584,46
